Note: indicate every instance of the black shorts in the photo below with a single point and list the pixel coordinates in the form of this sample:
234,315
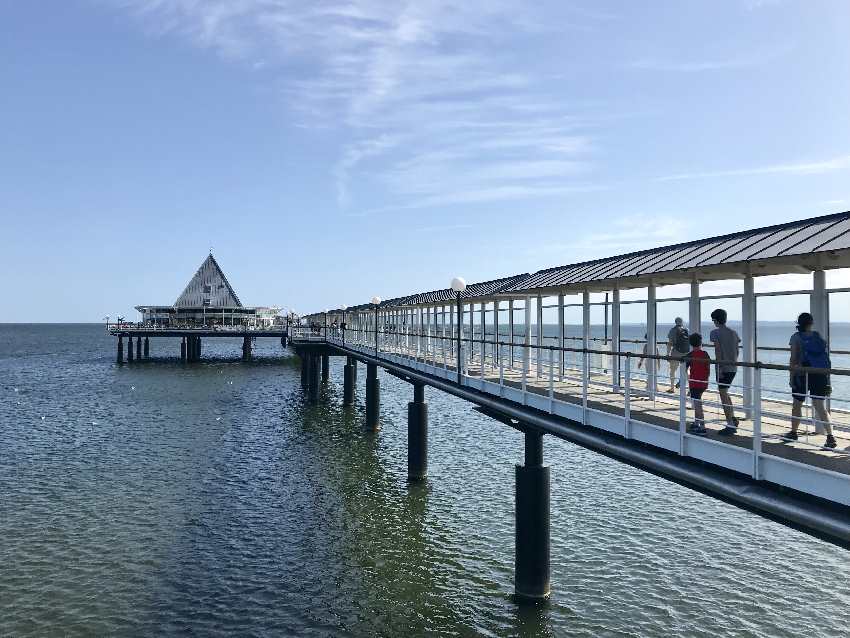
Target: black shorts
725,379
696,393
816,384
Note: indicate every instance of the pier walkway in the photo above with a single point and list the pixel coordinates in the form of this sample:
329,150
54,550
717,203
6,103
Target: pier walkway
506,346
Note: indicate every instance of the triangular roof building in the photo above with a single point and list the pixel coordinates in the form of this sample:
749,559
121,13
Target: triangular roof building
208,288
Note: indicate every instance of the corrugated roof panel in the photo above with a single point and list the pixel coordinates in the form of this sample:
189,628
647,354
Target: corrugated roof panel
765,243
792,239
815,242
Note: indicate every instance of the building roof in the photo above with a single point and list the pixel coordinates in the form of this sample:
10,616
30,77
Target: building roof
809,243
209,283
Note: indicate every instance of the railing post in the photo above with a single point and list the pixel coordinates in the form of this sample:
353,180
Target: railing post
585,341
539,338
683,406
551,381
615,339
756,422
511,333
526,345
561,337
627,397
501,374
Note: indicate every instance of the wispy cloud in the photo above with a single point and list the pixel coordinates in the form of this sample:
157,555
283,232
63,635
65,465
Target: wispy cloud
433,105
755,59
841,162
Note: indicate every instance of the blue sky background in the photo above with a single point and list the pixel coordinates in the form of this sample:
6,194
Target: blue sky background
328,152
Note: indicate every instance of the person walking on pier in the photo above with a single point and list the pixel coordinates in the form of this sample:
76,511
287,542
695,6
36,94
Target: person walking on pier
698,364
809,350
677,347
725,341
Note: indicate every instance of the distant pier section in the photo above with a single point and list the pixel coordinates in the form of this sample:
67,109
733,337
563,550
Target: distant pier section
207,307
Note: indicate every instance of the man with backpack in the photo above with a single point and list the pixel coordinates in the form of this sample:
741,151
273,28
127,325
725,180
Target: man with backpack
809,350
677,348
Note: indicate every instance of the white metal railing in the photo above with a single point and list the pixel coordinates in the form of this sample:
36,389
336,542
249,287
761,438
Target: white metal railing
587,390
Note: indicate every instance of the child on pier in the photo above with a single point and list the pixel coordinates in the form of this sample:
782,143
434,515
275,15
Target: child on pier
698,364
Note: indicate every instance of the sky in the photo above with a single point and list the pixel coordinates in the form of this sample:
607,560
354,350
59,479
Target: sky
327,152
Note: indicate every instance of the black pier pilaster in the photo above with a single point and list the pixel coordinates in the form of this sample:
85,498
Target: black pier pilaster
532,522
120,349
373,397
129,349
349,380
417,435
246,348
183,349
147,348
305,369
198,348
326,368
314,378
138,348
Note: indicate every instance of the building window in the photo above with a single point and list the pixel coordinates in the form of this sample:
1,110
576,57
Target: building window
207,289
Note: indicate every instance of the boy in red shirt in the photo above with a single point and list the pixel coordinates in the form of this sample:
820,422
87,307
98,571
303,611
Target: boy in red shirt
698,363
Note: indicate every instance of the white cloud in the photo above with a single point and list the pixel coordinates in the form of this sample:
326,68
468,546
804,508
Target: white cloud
429,96
841,162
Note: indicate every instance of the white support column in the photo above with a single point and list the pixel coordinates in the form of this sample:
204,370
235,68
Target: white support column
819,304
695,310
585,343
819,307
748,340
561,353
483,335
651,327
526,350
471,348
539,340
615,338
497,349
511,333
452,330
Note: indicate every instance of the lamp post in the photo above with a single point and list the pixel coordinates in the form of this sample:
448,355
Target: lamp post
376,302
459,285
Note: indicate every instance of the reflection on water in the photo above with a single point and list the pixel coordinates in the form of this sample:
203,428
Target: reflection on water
166,499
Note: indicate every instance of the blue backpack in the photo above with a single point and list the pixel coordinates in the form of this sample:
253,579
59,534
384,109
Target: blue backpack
814,351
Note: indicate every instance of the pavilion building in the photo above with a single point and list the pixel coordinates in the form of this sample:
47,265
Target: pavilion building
208,300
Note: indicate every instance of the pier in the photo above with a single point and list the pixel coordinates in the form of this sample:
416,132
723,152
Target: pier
486,343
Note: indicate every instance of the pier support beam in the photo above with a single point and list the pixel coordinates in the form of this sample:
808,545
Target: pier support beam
532,523
183,349
198,345
120,357
314,378
373,397
417,435
129,349
147,348
246,348
326,368
305,369
138,348
349,380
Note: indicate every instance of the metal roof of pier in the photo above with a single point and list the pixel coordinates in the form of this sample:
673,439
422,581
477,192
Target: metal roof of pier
819,242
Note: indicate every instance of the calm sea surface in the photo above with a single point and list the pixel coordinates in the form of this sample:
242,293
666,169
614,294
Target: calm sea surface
164,499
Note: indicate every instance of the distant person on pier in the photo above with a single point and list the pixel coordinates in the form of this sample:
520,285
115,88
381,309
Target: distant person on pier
698,364
677,347
725,341
809,350
647,351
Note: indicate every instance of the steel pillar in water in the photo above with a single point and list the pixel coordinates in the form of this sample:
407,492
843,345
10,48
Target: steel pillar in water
129,349
315,371
326,368
147,348
246,348
120,349
417,435
373,397
198,348
532,522
305,369
138,348
349,380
